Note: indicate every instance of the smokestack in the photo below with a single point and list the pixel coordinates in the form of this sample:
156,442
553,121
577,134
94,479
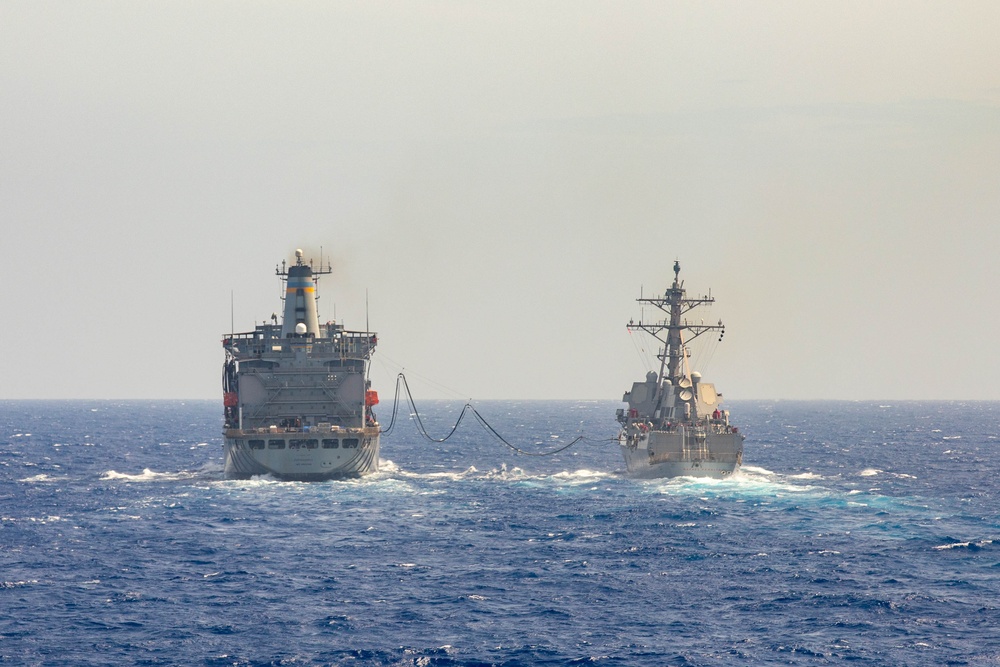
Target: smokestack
300,299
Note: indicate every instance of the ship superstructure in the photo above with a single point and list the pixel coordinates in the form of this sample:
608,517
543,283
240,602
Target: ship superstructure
674,424
298,402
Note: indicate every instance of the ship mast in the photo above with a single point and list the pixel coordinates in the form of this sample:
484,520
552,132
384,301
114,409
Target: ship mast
675,304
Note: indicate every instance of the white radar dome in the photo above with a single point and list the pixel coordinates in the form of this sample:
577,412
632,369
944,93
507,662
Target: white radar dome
300,328
299,253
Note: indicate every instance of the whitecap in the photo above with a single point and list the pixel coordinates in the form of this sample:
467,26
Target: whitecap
471,471
212,467
756,470
146,475
582,475
41,478
869,472
954,545
964,545
35,519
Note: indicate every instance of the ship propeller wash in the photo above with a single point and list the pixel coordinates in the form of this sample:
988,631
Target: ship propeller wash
298,402
674,424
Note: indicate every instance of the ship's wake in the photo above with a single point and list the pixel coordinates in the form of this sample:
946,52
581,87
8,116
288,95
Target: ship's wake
747,481
209,472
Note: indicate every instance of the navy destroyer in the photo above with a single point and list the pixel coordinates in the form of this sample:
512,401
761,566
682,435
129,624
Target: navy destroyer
298,403
674,424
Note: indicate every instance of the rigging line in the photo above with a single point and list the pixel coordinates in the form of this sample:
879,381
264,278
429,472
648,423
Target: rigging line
400,368
646,359
388,364
386,367
709,353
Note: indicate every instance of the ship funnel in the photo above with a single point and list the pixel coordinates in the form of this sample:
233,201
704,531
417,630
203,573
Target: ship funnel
300,300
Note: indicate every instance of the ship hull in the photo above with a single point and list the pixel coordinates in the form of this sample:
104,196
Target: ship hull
304,457
660,454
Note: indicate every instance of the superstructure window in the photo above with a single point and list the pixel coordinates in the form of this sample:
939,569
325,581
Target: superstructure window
275,444
256,444
350,443
330,443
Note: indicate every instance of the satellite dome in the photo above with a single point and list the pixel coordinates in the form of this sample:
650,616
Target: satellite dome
299,253
300,328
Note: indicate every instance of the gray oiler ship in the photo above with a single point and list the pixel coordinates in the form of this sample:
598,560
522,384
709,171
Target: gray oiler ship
674,424
298,404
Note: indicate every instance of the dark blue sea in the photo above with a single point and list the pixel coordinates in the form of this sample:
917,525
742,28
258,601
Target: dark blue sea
857,532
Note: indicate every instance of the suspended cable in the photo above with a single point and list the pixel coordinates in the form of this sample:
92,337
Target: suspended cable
466,409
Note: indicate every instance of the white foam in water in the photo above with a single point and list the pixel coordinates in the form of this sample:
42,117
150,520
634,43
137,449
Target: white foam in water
964,545
385,465
470,472
42,478
256,481
869,472
749,480
146,475
212,467
580,476
503,473
755,470
32,519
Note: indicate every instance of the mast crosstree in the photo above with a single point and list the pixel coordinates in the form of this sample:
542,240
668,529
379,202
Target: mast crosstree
670,331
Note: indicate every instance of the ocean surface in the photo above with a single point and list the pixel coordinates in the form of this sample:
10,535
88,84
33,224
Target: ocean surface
856,532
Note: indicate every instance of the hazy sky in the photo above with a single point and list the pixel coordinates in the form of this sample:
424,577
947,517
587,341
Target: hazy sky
502,179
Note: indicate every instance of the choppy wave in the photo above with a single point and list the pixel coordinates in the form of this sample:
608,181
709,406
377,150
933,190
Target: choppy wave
826,550
43,478
980,544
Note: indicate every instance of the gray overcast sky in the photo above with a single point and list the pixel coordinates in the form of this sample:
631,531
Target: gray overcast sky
502,179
